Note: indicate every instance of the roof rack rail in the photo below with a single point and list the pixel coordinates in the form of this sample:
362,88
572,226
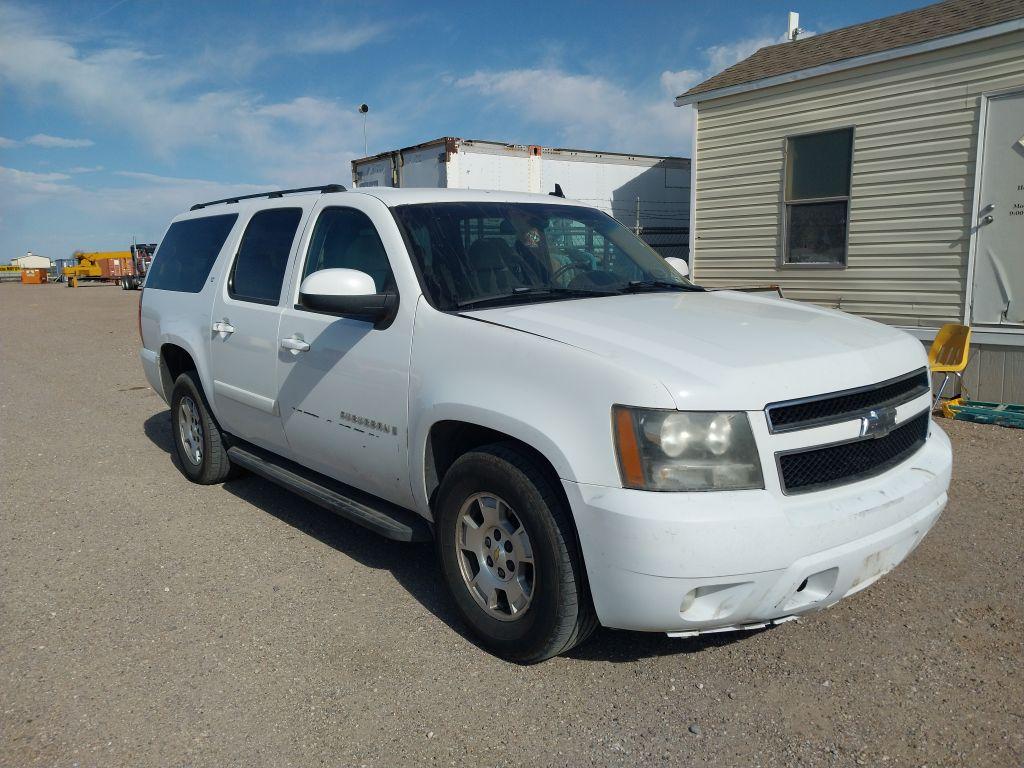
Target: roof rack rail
276,193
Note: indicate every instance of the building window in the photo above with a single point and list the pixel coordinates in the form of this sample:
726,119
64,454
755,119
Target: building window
817,197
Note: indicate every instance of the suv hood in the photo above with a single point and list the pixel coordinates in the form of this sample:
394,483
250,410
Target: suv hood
723,350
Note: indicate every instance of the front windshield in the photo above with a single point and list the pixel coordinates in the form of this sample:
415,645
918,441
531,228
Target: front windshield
486,254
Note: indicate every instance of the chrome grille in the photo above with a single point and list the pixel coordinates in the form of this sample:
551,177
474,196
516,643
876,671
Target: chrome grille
846,405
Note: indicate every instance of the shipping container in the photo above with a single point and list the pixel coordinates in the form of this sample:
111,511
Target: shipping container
115,268
650,194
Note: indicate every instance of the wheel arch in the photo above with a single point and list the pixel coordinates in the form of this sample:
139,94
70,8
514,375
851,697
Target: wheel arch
447,439
175,356
174,361
450,436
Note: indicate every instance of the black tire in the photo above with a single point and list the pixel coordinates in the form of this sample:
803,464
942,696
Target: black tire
213,466
560,614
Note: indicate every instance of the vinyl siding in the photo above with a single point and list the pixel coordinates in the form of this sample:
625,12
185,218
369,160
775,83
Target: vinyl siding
915,126
995,374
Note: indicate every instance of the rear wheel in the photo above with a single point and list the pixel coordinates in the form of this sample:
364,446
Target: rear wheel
198,440
510,557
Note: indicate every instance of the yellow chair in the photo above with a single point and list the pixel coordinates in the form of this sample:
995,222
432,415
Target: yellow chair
950,354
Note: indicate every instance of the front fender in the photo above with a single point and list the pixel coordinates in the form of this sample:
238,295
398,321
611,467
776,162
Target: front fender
554,397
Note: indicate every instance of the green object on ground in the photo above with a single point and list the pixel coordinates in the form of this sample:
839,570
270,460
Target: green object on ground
1002,414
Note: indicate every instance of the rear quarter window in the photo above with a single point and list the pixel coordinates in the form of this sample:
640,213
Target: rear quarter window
185,257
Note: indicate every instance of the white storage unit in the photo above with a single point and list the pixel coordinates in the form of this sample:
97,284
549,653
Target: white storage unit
31,261
650,194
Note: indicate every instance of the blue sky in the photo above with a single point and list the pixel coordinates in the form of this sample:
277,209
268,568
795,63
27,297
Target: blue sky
117,115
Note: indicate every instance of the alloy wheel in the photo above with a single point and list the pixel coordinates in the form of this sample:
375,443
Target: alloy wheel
190,430
495,556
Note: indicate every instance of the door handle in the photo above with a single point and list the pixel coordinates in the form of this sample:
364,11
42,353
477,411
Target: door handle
224,328
295,345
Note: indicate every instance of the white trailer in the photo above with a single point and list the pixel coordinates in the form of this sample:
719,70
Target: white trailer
649,194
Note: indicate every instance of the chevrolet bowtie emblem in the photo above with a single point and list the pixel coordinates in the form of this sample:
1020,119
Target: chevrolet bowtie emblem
878,422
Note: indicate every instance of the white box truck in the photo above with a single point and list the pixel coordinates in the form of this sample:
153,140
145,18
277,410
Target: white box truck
649,194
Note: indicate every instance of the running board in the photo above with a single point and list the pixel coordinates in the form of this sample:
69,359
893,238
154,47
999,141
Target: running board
383,517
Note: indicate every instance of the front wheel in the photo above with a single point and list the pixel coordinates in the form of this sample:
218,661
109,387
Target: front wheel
198,440
510,557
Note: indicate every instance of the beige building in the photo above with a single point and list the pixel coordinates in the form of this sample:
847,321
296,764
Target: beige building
879,169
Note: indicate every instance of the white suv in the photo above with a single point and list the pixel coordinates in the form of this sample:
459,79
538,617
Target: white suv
586,435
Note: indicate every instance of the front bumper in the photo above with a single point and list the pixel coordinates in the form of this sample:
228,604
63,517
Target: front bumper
686,563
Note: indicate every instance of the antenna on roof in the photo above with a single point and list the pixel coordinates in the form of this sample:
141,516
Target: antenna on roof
558,191
794,26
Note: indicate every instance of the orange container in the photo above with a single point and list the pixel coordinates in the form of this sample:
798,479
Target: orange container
33,276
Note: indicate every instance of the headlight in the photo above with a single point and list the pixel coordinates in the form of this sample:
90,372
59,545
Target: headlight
685,450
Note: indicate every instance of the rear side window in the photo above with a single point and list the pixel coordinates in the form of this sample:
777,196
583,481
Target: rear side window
346,238
263,256
186,255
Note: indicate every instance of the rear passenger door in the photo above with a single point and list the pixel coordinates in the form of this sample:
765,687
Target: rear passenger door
244,327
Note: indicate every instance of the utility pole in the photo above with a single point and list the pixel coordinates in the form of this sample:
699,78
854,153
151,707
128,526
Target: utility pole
363,109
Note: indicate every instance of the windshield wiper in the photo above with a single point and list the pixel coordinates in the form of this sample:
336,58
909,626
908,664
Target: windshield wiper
532,294
637,286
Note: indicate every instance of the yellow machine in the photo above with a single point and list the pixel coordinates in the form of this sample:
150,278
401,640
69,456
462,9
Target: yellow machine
99,265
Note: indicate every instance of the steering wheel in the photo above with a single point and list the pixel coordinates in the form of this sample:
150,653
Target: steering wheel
566,267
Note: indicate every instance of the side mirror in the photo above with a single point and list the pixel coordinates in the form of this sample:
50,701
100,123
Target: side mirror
679,265
346,292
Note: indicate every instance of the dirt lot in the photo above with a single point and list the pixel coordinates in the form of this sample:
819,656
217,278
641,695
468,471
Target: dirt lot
145,621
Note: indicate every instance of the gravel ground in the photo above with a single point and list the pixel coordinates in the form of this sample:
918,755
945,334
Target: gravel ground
146,621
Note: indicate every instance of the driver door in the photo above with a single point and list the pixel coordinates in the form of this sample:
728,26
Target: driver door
343,387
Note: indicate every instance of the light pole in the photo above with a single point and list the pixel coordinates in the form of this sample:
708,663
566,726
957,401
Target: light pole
363,109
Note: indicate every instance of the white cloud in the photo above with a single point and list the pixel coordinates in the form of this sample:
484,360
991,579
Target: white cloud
597,112
722,56
25,186
56,142
674,83
85,169
243,55
338,39
6,143
550,95
588,111
158,101
101,217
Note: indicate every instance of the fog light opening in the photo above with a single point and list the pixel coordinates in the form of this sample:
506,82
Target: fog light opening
813,589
